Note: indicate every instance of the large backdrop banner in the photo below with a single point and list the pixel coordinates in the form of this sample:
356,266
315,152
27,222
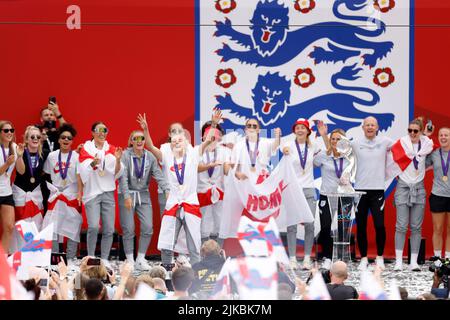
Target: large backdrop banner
332,60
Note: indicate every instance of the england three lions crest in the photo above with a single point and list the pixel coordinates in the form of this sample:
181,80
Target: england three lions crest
338,61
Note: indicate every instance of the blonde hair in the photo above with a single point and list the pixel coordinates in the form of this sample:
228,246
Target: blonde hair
2,124
130,138
259,125
97,272
444,128
339,131
170,128
145,278
209,248
419,122
27,135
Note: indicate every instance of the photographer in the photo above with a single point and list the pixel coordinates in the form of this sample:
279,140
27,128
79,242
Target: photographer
208,269
49,115
441,269
337,289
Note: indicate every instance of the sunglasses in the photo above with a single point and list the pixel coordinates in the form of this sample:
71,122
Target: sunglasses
176,131
413,130
101,130
8,130
69,138
33,137
138,138
252,126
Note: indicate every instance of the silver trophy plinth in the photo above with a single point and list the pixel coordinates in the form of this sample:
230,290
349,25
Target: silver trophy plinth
342,208
344,147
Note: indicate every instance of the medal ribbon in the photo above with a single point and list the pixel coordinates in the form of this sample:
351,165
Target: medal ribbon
252,154
211,170
416,163
63,172
139,172
4,154
302,158
341,167
32,166
446,165
180,176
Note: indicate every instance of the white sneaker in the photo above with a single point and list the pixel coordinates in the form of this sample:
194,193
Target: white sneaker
141,265
398,266
363,264
380,262
414,267
293,263
326,264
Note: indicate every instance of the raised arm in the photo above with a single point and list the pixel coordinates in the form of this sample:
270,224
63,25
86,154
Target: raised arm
217,115
277,140
20,165
57,112
142,120
322,128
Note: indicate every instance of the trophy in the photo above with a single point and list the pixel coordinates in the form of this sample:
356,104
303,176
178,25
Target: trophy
344,147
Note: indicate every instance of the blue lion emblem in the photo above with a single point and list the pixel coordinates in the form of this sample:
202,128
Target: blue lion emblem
32,245
271,43
271,103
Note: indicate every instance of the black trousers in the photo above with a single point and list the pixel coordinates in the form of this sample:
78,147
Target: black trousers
373,200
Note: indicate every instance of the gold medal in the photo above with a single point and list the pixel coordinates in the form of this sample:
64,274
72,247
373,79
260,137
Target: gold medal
303,172
417,173
182,187
445,178
32,180
101,173
64,182
253,169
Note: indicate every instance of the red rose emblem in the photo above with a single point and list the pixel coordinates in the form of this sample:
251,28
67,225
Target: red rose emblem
384,5
304,77
225,6
225,78
304,6
383,77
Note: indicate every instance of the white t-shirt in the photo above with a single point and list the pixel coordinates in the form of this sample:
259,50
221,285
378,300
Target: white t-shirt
411,175
217,179
52,168
188,192
5,178
306,176
371,162
240,156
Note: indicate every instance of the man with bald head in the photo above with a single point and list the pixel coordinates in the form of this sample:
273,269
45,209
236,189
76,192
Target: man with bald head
337,289
371,151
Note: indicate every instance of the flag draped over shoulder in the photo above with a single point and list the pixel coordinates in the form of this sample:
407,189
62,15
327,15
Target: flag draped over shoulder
279,196
402,154
64,212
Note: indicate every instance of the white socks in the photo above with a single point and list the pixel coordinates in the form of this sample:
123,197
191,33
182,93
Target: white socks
414,258
437,253
447,254
130,258
399,256
140,256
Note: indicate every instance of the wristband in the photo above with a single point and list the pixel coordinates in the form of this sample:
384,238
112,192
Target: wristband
59,117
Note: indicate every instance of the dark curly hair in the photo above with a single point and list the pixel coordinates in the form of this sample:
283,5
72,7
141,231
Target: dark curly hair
67,127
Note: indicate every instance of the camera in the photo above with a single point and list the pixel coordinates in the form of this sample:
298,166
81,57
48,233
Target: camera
440,266
49,124
430,125
56,258
52,100
93,262
326,275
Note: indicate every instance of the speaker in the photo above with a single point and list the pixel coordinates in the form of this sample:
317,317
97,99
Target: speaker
421,256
